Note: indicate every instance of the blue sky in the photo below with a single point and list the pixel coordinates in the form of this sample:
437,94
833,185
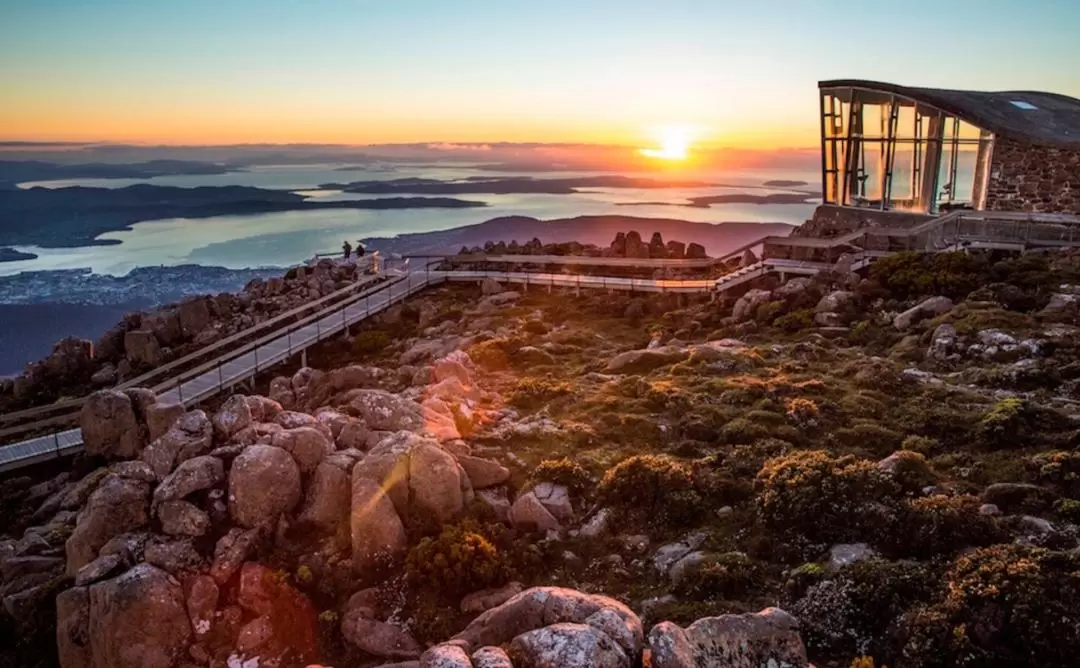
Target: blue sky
472,70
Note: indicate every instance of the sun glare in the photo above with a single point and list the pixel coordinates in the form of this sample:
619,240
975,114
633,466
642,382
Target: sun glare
674,143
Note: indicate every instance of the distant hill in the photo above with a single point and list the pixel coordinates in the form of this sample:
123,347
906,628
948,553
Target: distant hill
717,238
16,171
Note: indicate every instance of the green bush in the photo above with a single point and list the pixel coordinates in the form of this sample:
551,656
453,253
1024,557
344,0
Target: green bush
910,275
459,561
824,498
564,472
1058,468
854,611
923,445
370,342
534,392
796,321
729,576
943,525
491,355
768,311
1008,423
1002,606
656,489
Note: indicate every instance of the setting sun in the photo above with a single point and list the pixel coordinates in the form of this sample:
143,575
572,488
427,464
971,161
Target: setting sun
674,143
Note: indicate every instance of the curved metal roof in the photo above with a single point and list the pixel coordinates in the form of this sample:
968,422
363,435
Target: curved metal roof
1029,117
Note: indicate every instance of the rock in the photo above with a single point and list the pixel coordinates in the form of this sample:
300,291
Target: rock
180,518
99,569
545,606
202,601
138,620
281,391
643,361
195,316
117,506
492,657
327,502
105,376
160,418
73,628
445,656
353,435
483,472
746,306
556,498
109,427
142,348
687,565
489,286
668,555
175,555
767,638
262,408
929,308
1036,524
191,435
80,493
990,510
379,638
532,356
568,645
192,475
288,613
845,554
231,551
383,411
597,524
529,514
378,535
495,499
307,445
486,599
234,415
435,483
944,343
264,482
695,251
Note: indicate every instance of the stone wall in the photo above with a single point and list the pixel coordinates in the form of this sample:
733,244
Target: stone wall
1033,178
830,220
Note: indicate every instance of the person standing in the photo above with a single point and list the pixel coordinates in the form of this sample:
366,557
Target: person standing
347,249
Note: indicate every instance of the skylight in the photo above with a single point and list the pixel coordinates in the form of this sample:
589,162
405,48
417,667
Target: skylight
1026,106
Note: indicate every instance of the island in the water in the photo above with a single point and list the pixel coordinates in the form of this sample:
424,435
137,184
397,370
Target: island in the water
784,183
72,217
738,198
13,255
17,171
516,185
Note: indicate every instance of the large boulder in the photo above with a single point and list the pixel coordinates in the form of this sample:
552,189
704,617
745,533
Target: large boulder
378,535
109,426
191,435
195,316
378,638
529,514
180,518
307,445
234,415
73,628
435,483
612,628
264,482
383,411
768,638
287,614
160,418
341,380
483,472
192,475
117,506
138,620
568,645
142,348
746,306
327,502
929,308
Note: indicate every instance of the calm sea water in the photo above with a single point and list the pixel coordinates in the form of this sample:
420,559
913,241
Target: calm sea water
274,239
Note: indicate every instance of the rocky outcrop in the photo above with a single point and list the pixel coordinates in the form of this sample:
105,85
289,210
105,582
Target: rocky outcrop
264,482
109,426
767,638
117,506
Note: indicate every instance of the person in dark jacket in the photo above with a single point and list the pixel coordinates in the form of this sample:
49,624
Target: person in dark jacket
348,250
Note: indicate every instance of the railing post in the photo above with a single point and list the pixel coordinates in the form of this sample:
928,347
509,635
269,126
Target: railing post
318,336
256,351
220,378
56,442
180,391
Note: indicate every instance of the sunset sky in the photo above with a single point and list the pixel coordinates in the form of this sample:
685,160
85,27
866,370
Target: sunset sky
739,74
